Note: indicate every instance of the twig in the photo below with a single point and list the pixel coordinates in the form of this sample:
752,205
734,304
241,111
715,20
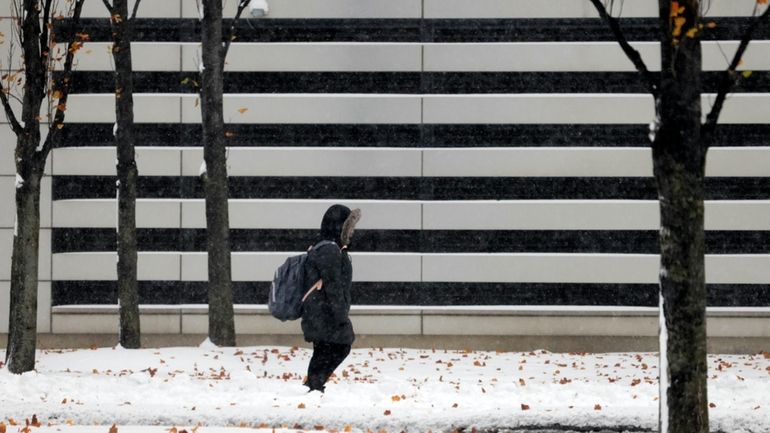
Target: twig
15,125
241,6
108,6
136,9
727,82
45,49
54,131
631,53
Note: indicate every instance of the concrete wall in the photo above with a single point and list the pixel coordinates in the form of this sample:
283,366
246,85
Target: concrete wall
495,169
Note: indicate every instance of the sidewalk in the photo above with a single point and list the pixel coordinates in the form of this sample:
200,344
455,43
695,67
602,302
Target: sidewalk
376,389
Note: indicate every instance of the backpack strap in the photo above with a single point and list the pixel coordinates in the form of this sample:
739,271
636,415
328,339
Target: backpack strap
317,286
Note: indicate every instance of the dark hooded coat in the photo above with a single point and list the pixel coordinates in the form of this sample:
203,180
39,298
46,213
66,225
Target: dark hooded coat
325,312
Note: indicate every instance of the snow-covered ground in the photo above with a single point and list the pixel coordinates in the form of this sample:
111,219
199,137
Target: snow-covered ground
377,389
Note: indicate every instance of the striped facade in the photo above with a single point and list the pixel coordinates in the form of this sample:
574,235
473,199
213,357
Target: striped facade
497,148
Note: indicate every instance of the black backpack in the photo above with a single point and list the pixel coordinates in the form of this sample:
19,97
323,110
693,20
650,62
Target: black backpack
287,292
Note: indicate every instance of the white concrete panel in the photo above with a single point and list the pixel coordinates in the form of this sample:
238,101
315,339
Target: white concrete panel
265,324
103,266
46,200
43,306
6,252
584,268
584,215
387,324
5,305
322,9
302,108
102,161
738,327
542,215
44,255
147,9
540,325
542,268
576,56
564,9
261,266
539,108
737,215
7,195
738,269
297,57
7,148
741,108
63,323
145,56
309,161
305,214
738,161
535,162
536,56
100,107
102,213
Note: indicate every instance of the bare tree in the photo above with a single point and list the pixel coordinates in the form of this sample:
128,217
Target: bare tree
680,141
128,296
213,53
34,20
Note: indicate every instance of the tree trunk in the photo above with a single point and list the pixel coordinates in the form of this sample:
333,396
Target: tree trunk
679,160
20,356
221,317
128,296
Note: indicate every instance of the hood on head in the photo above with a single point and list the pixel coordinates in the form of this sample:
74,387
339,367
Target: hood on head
339,219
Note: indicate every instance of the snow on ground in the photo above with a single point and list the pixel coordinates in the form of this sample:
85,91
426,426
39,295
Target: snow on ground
377,389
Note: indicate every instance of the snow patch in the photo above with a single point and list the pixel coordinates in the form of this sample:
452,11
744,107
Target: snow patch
115,129
19,181
202,170
207,344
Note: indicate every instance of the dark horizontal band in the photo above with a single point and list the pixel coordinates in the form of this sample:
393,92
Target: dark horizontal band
419,293
410,188
401,82
425,135
407,30
420,241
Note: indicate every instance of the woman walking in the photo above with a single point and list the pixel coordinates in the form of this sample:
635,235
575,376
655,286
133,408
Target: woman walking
325,310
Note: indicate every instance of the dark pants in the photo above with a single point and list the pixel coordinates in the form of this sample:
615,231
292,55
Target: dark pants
326,358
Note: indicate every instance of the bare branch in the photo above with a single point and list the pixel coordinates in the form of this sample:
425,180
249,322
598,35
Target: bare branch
729,76
15,125
136,9
108,6
241,6
631,53
54,131
45,49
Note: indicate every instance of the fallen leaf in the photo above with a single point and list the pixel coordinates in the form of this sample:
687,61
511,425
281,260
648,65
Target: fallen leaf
35,422
301,406
172,430
387,412
113,429
243,110
597,407
524,406
2,427
396,398
348,428
712,405
522,382
746,74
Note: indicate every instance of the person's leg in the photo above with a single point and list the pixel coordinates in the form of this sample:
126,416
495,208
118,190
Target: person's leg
316,370
326,358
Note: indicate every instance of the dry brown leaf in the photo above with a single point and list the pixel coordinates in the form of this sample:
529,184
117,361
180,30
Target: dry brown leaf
3,428
524,406
301,406
597,407
35,422
347,429
396,398
113,429
712,405
243,110
387,412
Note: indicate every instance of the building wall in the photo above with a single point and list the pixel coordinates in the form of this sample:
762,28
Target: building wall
498,150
